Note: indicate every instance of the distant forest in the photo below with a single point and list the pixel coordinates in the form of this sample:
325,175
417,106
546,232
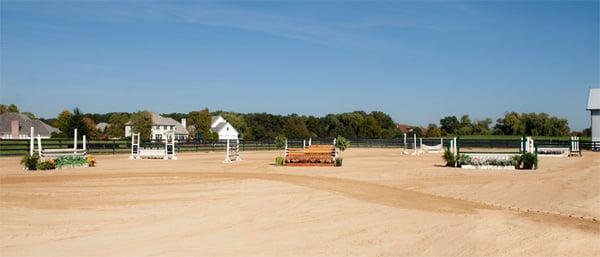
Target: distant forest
352,125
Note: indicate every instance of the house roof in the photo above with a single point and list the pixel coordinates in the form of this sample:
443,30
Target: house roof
102,125
218,127
25,124
158,120
594,99
214,118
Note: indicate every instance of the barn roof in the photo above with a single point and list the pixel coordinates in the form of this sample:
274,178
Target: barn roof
594,99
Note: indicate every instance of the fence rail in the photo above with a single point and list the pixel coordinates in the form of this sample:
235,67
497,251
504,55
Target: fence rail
12,147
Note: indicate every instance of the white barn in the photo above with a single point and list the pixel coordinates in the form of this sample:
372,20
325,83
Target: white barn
594,107
223,128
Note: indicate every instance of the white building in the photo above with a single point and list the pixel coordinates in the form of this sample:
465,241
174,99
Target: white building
594,107
161,125
223,128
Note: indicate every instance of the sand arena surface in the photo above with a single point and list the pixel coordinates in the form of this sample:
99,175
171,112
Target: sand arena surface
378,204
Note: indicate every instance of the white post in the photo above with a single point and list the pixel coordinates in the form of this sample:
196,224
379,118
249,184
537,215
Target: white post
84,146
286,149
173,157
421,144
227,158
75,141
132,146
455,145
303,143
415,143
166,147
237,150
139,146
39,139
31,145
309,141
405,148
334,150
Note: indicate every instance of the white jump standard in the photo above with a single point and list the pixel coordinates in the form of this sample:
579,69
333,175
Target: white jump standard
52,153
166,153
233,151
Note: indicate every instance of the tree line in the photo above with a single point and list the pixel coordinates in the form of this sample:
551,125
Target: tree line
265,126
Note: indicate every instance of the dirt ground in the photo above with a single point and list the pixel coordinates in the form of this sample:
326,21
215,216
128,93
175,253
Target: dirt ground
379,204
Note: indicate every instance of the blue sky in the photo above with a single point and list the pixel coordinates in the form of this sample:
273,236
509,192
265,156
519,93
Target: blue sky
418,61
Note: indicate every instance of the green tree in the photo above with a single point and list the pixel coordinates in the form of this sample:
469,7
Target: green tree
510,124
466,127
199,123
415,131
63,122
141,122
77,122
295,127
433,131
12,108
482,127
90,125
450,125
116,127
211,136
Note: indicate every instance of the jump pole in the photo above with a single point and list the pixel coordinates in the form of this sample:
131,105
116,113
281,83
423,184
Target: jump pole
405,148
31,144
75,141
415,143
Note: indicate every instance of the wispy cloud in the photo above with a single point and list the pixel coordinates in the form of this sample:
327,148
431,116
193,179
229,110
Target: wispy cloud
344,30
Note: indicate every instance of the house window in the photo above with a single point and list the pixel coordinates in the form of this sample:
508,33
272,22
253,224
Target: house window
158,136
227,128
165,127
157,127
172,127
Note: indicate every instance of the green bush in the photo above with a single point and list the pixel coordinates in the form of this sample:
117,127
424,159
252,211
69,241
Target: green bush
30,162
70,161
46,165
463,159
518,161
449,158
280,141
279,161
529,160
342,143
338,161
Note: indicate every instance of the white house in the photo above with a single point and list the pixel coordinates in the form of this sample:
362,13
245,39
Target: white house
594,107
223,128
161,125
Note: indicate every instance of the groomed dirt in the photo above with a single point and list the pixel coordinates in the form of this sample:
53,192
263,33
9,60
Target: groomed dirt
379,204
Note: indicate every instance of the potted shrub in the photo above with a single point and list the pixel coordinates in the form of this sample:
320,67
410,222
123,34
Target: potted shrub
30,162
449,158
341,143
529,160
280,141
